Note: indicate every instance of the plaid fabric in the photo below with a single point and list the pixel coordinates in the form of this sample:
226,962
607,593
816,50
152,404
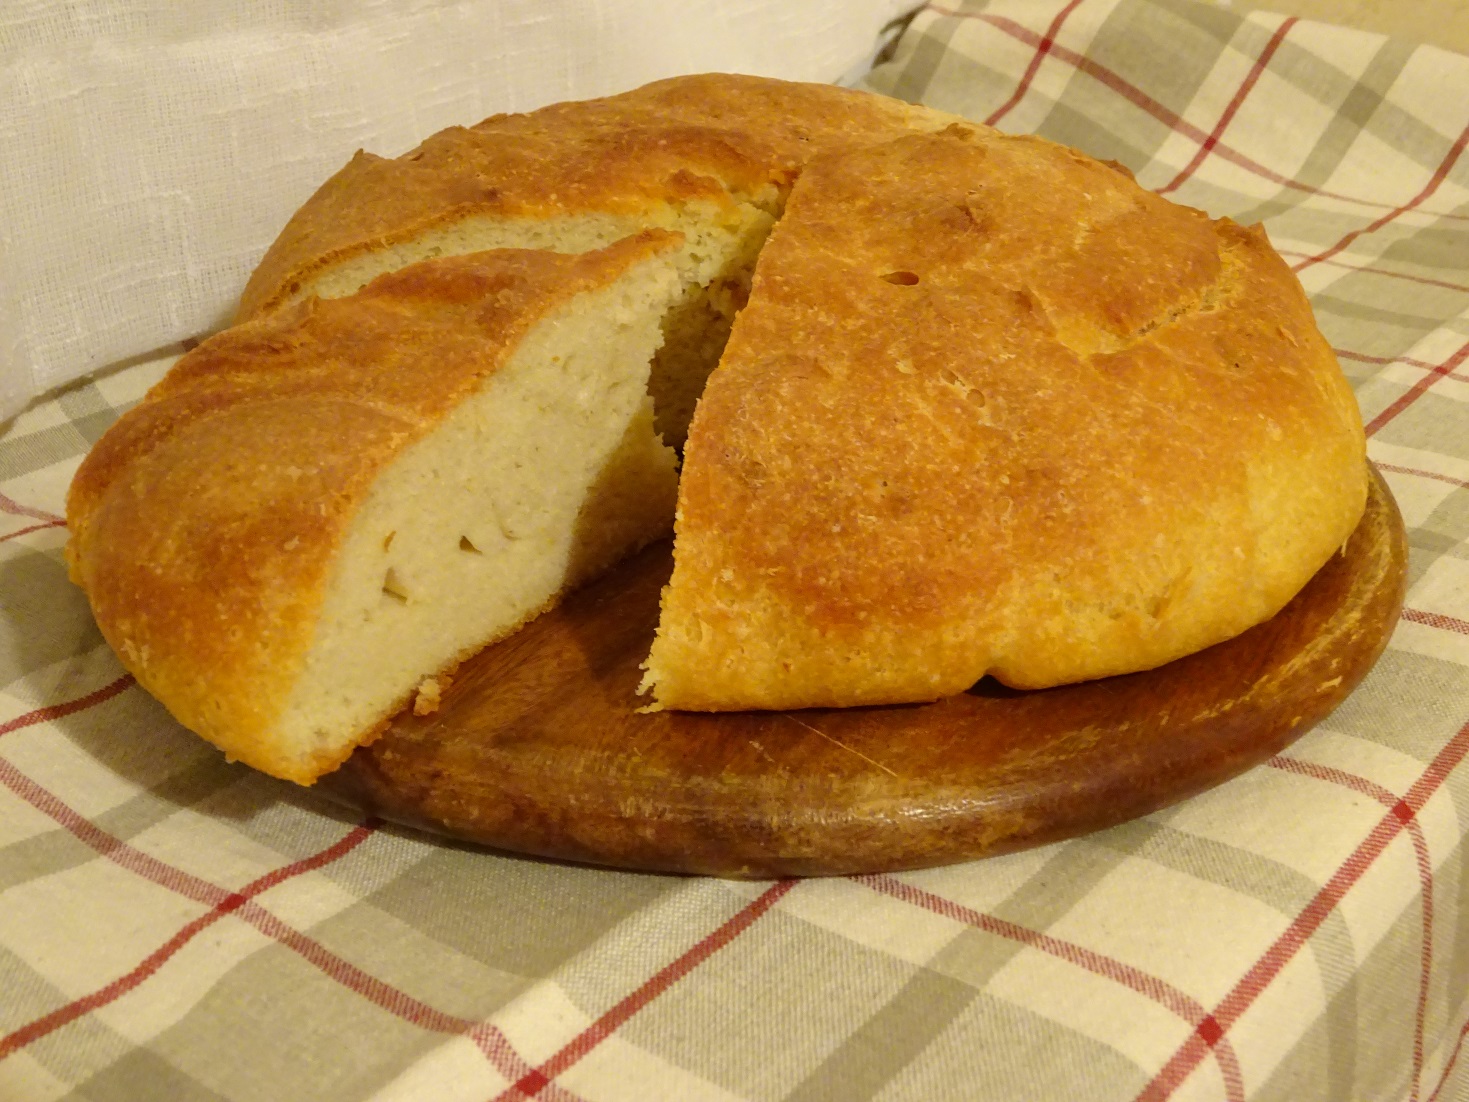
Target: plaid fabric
175,927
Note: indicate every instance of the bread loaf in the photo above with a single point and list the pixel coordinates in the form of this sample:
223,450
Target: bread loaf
991,408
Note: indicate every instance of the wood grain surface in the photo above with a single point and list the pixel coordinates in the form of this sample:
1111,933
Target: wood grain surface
539,747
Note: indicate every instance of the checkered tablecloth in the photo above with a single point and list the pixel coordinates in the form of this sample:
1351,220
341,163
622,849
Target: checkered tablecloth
174,927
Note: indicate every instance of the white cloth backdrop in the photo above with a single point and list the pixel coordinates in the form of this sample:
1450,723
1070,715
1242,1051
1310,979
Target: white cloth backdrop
150,150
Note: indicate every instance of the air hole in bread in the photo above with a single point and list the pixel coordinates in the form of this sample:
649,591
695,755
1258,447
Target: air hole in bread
961,387
466,545
902,279
388,540
393,586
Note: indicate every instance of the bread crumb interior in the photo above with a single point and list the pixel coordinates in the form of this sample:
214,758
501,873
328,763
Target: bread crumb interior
721,243
549,473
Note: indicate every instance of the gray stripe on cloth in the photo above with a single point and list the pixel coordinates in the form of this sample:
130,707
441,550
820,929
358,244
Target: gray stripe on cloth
868,1059
73,1053
1371,315
46,619
1424,549
747,997
997,1051
1434,421
88,414
1449,523
1106,123
140,1075
888,1040
916,61
1278,886
58,850
1414,705
517,915
1356,102
1371,1008
276,1020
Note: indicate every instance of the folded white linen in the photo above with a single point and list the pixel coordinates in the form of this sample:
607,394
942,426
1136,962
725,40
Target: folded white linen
151,150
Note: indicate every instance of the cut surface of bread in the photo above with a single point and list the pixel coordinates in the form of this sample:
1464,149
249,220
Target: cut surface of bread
994,408
720,243
317,514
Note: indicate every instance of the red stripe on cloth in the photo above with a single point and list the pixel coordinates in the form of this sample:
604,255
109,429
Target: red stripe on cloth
395,1001
115,850
531,1085
1140,99
155,960
1375,270
80,704
33,528
1439,174
1309,920
489,1039
1251,79
1437,620
1041,50
1418,389
15,509
1362,357
1449,1067
1207,1035
1408,361
1389,799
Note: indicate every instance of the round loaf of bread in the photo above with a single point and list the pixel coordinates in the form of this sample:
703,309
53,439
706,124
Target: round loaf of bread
986,407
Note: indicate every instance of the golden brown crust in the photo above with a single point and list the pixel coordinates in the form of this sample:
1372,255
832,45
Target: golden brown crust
994,408
712,137
205,521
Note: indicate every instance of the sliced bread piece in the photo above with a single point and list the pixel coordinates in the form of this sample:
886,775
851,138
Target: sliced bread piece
317,514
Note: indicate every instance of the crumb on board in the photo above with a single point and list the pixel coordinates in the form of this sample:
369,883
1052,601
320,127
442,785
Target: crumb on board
427,701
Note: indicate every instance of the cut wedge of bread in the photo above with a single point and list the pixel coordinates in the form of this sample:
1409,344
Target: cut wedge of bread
317,514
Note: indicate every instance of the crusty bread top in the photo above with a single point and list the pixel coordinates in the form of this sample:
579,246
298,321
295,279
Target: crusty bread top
995,408
713,137
205,521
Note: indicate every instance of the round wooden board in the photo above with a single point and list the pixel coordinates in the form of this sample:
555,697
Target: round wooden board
538,747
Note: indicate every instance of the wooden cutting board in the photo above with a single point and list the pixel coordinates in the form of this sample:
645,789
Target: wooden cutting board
538,747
